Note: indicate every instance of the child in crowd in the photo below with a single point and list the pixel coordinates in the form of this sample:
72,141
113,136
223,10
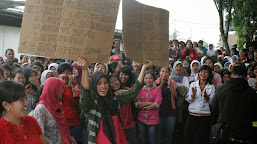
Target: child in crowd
195,67
186,63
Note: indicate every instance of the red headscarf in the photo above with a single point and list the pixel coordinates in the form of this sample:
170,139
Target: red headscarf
49,98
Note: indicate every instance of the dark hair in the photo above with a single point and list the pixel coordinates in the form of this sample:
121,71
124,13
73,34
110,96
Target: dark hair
205,67
187,61
224,73
1,72
113,42
254,66
40,65
188,70
16,66
239,70
114,65
10,91
209,58
165,67
200,41
21,57
196,43
110,76
6,66
152,73
16,71
245,51
8,50
127,71
15,60
64,66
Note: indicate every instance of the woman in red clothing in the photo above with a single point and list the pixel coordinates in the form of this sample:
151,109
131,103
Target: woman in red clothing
15,126
70,100
189,52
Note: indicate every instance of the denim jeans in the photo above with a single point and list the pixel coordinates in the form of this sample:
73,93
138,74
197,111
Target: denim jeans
84,135
147,133
76,132
166,129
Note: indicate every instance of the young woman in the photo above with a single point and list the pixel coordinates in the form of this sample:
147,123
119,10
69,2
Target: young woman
189,52
186,63
177,75
125,76
195,67
167,110
101,107
253,81
49,113
243,55
150,99
70,100
201,51
218,68
199,98
115,66
7,70
1,76
125,111
32,85
54,67
217,80
15,125
226,65
101,67
226,75
18,76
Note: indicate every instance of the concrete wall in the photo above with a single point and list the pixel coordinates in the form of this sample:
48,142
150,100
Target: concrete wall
9,38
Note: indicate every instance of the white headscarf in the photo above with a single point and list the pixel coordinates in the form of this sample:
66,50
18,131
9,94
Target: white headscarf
202,60
55,65
191,67
218,64
44,74
106,66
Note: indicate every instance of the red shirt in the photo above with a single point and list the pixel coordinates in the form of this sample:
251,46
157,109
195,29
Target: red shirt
11,134
70,113
192,54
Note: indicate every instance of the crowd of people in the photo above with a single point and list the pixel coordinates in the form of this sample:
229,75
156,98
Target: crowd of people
46,100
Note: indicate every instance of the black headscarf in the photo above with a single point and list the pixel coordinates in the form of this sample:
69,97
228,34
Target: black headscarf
109,105
27,72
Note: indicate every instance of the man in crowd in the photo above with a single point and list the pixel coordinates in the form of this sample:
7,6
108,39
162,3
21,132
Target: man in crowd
235,104
116,50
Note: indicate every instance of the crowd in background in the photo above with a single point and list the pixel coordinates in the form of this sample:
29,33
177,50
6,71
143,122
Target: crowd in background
124,101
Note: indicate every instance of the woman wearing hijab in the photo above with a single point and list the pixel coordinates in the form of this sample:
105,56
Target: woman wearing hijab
50,115
54,67
32,84
195,67
101,107
177,75
101,67
45,75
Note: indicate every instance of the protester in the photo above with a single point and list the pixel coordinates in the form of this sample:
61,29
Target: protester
70,100
136,70
243,55
101,67
101,107
177,75
116,66
226,75
210,51
15,125
189,52
167,110
50,115
9,54
235,105
54,67
201,51
253,81
1,75
18,76
125,111
7,70
195,67
186,63
24,59
125,76
150,99
116,50
199,97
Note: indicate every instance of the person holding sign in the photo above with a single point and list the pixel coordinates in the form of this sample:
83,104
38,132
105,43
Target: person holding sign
101,107
116,53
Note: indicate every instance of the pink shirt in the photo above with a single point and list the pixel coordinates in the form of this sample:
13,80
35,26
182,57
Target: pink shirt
150,117
102,139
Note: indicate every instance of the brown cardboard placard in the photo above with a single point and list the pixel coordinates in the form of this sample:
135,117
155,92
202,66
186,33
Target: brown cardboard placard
145,32
68,29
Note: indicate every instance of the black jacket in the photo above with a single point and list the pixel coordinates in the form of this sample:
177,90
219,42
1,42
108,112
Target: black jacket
235,104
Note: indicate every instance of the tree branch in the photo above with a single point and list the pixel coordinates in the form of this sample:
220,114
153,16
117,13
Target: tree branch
216,5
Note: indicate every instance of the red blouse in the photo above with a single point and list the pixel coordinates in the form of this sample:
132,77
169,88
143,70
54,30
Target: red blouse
11,134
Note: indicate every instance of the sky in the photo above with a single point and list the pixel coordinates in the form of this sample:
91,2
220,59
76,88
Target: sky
193,19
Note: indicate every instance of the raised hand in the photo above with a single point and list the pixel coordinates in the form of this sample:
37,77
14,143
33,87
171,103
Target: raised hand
207,98
194,90
148,64
82,63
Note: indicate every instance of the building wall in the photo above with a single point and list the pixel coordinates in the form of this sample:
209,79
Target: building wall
9,38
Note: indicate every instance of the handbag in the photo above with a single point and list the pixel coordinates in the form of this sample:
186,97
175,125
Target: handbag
219,133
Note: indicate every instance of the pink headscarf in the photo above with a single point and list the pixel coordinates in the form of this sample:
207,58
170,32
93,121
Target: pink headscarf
49,98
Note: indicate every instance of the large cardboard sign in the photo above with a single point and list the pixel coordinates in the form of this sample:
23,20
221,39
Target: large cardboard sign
145,32
68,29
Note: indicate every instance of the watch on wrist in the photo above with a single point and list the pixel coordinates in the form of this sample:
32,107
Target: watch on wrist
145,108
